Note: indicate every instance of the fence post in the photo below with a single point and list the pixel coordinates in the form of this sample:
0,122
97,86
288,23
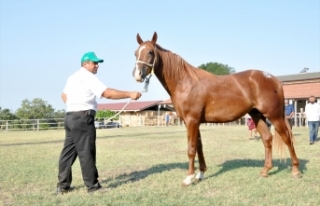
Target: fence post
7,126
37,124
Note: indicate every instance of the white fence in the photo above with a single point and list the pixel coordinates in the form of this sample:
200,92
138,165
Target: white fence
31,124
58,123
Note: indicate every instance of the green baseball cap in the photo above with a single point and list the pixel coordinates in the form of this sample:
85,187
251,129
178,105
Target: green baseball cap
90,56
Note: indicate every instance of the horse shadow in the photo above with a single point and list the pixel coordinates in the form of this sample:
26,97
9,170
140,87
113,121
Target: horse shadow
114,182
281,165
142,174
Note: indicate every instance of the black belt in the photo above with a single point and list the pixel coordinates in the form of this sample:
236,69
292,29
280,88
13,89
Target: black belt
89,112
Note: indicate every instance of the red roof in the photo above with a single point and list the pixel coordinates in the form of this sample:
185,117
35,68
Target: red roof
132,106
168,101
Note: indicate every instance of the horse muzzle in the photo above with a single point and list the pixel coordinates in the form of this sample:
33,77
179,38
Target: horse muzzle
138,74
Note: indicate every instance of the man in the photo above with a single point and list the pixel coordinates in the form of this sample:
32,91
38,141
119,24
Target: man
289,112
80,94
167,118
312,112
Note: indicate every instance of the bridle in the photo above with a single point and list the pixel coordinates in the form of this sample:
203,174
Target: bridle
149,65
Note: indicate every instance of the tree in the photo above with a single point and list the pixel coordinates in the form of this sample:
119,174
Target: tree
59,113
6,114
35,109
104,114
217,68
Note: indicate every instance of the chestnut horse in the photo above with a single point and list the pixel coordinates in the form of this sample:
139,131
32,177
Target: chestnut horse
201,97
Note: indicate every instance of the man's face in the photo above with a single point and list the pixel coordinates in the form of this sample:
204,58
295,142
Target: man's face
312,100
286,102
91,66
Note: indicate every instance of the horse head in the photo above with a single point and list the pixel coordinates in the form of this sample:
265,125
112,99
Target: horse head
145,58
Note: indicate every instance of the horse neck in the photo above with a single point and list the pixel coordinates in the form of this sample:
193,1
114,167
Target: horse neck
172,70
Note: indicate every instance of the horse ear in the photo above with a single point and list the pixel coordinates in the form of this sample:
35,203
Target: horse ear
154,38
139,40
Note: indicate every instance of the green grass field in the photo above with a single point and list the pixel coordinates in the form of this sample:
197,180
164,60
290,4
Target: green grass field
146,166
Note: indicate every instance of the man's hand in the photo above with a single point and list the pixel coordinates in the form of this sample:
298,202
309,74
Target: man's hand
135,95
64,97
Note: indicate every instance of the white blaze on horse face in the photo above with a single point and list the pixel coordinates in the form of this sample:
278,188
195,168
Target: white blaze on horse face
136,71
140,50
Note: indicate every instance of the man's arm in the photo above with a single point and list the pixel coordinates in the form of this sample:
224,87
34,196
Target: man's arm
110,93
64,97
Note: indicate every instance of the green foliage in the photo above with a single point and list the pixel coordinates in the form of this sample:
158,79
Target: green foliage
44,126
59,113
6,114
35,109
23,124
105,114
217,68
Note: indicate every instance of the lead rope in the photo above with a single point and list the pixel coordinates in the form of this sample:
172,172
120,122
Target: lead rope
145,89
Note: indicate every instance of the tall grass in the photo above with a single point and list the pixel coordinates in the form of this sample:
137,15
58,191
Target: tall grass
146,166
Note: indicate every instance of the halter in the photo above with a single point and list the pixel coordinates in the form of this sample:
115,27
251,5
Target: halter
148,64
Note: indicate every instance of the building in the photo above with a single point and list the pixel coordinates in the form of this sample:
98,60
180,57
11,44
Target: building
298,88
140,113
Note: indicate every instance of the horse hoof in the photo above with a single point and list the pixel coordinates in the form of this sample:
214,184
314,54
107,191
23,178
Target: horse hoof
184,185
297,175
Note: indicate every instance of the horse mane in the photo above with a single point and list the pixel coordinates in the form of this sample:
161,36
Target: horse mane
177,67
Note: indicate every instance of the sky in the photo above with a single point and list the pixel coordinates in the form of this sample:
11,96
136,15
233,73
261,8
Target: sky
42,42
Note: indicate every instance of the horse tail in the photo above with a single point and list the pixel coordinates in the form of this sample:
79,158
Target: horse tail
278,142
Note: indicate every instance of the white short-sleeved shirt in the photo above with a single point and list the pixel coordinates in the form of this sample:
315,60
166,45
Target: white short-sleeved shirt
312,112
81,89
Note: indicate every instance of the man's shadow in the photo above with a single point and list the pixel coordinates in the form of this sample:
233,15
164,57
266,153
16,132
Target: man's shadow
281,165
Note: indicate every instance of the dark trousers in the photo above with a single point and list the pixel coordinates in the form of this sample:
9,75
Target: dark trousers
80,140
290,120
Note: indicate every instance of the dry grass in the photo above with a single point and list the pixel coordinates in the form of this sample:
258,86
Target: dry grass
146,166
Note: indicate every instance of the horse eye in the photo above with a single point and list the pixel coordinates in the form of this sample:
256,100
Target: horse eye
150,52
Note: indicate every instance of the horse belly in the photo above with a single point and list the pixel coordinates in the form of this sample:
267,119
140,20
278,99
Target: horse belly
225,113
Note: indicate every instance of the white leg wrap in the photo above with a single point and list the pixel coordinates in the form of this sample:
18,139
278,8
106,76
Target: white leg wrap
188,179
200,175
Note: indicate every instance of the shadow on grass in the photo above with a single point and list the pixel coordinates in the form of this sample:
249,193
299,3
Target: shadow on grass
239,163
138,175
226,166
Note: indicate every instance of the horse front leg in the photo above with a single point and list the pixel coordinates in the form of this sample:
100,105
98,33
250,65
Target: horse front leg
192,131
202,163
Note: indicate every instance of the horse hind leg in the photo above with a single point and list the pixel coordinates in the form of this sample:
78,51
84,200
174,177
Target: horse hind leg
266,137
202,163
283,132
